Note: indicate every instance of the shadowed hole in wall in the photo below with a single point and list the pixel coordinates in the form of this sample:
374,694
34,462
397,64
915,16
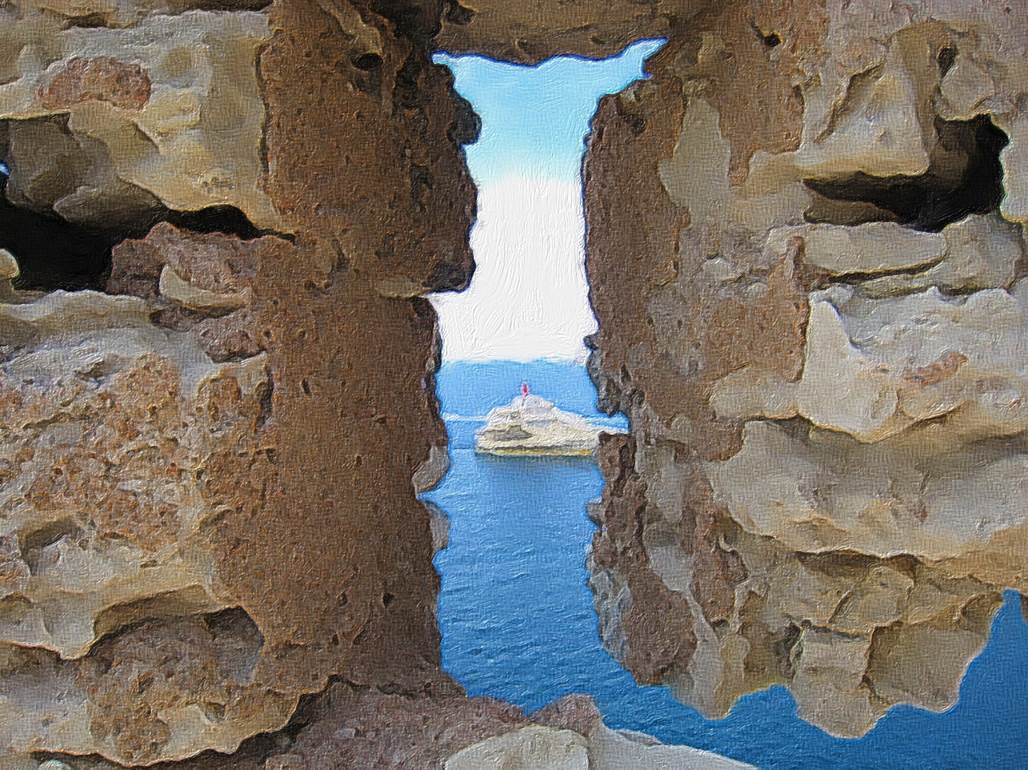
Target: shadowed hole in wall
54,253
964,177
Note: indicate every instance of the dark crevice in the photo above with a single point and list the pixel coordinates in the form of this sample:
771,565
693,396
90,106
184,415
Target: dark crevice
214,219
416,21
965,177
458,14
52,253
946,58
267,392
174,8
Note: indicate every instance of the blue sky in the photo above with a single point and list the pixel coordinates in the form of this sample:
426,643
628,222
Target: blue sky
536,118
528,299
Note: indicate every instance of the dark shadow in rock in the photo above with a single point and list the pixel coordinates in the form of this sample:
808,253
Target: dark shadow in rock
965,177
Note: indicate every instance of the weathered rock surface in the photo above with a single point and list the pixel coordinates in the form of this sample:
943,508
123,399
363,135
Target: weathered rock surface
166,112
208,508
532,31
809,285
351,727
591,745
807,258
524,749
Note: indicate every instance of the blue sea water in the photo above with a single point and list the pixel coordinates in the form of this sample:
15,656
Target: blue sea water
518,623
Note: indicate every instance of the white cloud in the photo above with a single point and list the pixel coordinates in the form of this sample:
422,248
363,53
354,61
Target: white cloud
529,296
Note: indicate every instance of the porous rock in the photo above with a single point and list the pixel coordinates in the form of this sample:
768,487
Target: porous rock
816,329
166,112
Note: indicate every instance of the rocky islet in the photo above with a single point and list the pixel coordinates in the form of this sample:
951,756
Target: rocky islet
806,256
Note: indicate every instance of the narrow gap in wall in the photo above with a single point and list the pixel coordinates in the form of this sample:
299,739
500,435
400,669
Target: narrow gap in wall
521,411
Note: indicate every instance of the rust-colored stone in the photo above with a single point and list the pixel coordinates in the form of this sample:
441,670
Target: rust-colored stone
364,161
100,79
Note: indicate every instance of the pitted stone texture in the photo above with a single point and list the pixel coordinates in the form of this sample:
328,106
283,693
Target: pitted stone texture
349,727
289,496
827,449
167,112
146,480
108,422
378,181
275,505
923,495
152,692
900,362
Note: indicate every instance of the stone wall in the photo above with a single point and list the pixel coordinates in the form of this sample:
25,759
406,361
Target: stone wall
208,509
807,259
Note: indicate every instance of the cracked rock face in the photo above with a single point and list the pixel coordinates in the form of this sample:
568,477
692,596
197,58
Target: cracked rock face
812,309
210,469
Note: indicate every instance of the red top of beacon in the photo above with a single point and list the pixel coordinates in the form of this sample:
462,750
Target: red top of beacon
524,389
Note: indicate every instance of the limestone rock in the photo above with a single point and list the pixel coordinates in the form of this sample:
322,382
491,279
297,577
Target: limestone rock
912,495
900,362
167,111
214,442
614,750
525,749
599,749
87,564
126,13
875,247
109,423
1015,171
807,267
982,252
174,287
9,270
154,692
377,184
535,30
884,126
532,426
137,468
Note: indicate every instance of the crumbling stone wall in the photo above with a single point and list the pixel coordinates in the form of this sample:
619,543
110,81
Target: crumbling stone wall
208,508
807,259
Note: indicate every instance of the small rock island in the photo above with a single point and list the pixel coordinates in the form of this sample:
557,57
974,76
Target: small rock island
533,426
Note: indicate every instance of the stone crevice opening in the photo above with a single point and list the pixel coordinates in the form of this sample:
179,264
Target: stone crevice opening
51,252
965,177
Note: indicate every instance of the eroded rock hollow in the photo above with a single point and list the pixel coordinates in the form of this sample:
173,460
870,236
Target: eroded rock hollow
218,227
